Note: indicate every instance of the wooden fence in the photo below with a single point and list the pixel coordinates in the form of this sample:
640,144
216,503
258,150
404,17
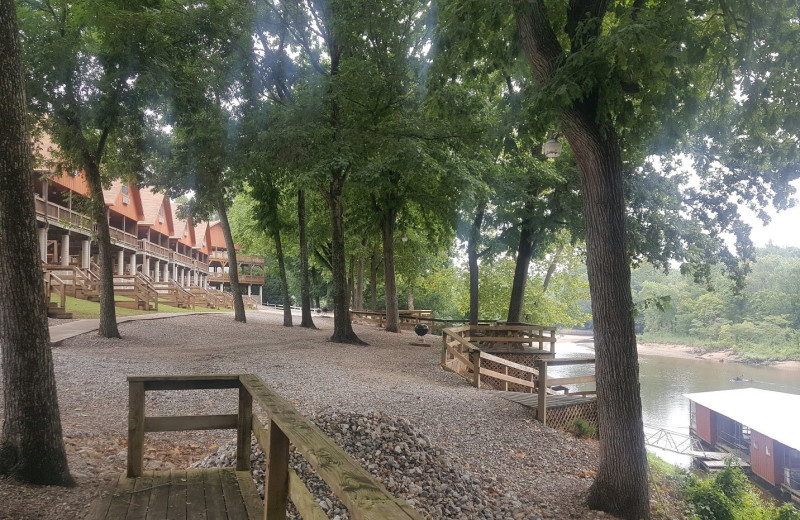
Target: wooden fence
409,319
365,497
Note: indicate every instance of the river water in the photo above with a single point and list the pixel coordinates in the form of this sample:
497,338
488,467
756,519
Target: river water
665,380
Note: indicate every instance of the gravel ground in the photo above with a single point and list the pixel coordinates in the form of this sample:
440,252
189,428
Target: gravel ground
542,472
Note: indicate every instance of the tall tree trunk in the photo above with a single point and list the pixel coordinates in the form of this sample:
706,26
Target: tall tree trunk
351,281
31,443
524,252
620,487
552,268
233,264
108,313
410,297
373,281
305,298
389,281
359,301
342,328
472,258
287,302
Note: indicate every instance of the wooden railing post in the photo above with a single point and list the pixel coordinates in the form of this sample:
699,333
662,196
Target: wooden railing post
244,429
541,409
475,359
276,477
135,428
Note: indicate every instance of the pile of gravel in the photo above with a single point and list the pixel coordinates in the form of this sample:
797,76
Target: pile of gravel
404,460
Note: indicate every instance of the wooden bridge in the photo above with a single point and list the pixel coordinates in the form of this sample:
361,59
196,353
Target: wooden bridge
230,493
514,359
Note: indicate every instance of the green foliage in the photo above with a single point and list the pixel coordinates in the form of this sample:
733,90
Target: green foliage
729,495
582,428
759,323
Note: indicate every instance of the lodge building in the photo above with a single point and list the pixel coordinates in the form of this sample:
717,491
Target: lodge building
154,249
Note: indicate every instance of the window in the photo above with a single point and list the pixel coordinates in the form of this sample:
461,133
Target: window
767,449
161,211
124,189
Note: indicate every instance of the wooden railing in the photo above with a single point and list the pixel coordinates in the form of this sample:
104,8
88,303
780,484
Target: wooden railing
54,284
137,287
463,354
243,278
78,283
145,246
175,294
64,217
201,266
120,237
181,259
364,497
222,257
409,319
547,384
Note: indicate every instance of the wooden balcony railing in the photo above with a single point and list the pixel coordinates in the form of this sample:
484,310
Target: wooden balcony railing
181,259
64,217
222,256
201,266
360,492
145,246
243,278
121,238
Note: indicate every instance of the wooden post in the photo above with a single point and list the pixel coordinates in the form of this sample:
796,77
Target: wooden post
505,383
276,478
541,410
475,359
243,430
135,428
444,349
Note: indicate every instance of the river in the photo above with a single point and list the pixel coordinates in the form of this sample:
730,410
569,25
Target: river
665,380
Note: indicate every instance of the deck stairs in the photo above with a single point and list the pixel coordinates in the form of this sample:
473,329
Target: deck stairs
172,293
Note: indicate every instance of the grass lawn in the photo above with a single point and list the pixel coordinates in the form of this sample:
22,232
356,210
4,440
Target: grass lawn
83,309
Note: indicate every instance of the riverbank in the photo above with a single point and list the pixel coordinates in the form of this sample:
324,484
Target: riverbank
675,350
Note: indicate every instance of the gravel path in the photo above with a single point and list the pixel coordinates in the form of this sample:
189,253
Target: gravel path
543,472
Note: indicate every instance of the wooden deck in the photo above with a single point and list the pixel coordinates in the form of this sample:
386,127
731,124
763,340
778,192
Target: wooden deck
219,493
553,401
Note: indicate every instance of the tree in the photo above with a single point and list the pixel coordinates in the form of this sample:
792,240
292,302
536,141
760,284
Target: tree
31,444
83,81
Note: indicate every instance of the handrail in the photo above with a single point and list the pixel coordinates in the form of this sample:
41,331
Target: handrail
61,292
145,246
362,494
181,259
545,383
123,237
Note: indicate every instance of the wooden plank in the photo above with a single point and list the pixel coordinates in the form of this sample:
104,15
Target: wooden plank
463,341
121,499
244,427
159,496
190,422
503,377
276,482
135,428
541,409
475,357
252,502
262,437
234,502
459,357
140,498
565,362
100,505
364,497
195,495
187,382
510,364
215,499
303,500
570,380
512,339
176,502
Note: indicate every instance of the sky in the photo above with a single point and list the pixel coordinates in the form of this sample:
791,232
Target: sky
783,230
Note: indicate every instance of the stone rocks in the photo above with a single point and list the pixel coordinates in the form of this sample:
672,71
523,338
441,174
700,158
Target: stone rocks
403,460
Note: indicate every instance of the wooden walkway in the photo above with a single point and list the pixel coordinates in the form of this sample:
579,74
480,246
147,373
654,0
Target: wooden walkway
553,401
210,494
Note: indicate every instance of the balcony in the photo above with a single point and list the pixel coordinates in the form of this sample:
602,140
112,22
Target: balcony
181,259
201,266
249,279
222,257
63,217
121,238
149,248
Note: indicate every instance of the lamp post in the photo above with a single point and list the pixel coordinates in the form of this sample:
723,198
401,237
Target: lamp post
552,147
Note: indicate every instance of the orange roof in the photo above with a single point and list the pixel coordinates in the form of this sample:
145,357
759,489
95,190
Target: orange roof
157,211
184,230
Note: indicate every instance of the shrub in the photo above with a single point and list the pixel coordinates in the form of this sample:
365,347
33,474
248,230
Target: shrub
582,428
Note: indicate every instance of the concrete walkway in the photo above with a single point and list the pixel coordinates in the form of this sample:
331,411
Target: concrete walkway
78,327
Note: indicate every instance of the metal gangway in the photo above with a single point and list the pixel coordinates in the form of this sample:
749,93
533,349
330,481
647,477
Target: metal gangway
677,442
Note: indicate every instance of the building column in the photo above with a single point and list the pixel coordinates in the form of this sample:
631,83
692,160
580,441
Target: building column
86,254
43,243
121,262
146,267
65,249
133,263
165,274
175,272
248,289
